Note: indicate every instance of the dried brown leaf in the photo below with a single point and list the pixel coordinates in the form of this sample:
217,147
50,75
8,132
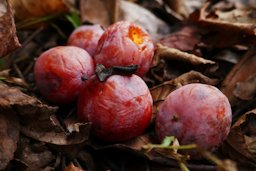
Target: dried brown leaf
9,135
160,92
227,165
8,39
7,78
241,142
228,56
26,9
35,155
226,27
246,90
179,7
99,11
186,39
49,130
242,74
163,52
76,135
242,4
38,120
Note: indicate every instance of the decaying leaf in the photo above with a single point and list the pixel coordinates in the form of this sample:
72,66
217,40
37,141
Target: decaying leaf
34,154
47,129
8,38
38,120
222,165
6,77
9,135
160,92
163,52
25,9
246,90
186,39
99,11
241,142
240,82
179,7
76,134
227,55
243,4
227,27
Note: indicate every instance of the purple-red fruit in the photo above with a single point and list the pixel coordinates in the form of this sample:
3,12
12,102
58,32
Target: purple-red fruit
125,43
61,71
86,37
119,108
195,113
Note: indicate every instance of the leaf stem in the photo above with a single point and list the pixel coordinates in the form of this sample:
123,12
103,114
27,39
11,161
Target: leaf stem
182,147
183,167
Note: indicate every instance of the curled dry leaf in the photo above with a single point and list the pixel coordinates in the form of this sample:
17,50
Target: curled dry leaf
9,134
227,27
240,144
38,120
228,56
240,82
77,133
6,77
186,39
179,7
242,4
163,52
8,39
246,90
160,92
25,9
99,12
34,155
47,129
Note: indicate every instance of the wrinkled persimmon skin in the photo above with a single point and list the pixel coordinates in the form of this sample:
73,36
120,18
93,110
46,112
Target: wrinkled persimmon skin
60,73
195,113
118,47
86,37
119,108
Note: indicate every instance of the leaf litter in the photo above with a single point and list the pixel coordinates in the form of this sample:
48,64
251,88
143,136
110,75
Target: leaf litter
188,46
8,39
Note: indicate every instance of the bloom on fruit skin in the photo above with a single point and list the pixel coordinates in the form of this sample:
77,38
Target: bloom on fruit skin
195,113
119,108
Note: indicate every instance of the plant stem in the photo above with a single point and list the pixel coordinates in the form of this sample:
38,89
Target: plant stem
183,167
182,147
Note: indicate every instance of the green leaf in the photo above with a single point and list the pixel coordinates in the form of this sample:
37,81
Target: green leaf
168,140
74,19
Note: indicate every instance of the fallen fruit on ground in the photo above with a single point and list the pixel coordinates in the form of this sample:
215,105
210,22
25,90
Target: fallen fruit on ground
119,108
60,73
195,113
125,43
86,37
